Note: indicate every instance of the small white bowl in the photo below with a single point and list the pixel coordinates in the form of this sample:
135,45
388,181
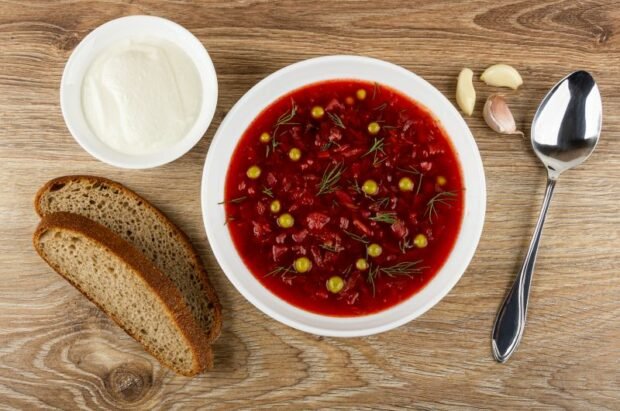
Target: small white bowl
294,77
98,40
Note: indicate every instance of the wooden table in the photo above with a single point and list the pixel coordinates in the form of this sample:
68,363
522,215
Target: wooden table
58,351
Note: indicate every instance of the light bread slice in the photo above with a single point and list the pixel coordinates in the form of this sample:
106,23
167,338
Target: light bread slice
144,226
125,285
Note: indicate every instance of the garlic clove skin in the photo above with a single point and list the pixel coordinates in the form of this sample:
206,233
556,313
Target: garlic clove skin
465,92
502,75
498,116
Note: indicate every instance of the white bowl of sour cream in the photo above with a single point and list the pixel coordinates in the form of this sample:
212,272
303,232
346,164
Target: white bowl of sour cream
138,92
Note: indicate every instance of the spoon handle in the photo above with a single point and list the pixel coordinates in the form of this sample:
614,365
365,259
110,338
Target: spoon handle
510,321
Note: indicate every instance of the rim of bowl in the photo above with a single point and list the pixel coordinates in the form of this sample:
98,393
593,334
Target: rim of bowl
221,241
100,38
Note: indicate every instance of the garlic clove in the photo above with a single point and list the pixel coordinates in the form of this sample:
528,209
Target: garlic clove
498,116
465,93
502,75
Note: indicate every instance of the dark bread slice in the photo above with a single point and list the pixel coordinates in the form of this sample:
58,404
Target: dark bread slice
145,227
126,286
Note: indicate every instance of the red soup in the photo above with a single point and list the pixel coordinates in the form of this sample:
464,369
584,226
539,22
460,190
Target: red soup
344,197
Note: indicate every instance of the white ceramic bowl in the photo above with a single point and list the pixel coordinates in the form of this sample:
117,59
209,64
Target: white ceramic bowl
99,39
291,78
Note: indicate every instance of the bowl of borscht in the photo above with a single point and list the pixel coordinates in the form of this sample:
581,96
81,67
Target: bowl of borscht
343,196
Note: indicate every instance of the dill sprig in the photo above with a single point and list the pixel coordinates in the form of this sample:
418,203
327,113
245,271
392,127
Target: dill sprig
416,172
382,202
410,170
330,178
443,197
376,148
283,120
404,245
375,90
405,268
356,187
328,145
376,160
380,107
361,238
330,248
336,120
286,117
388,217
281,270
373,273
228,220
267,191
233,200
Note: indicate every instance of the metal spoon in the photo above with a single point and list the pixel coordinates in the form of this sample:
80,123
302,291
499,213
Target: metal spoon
565,130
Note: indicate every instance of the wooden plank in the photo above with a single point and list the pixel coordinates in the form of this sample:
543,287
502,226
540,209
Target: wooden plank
58,351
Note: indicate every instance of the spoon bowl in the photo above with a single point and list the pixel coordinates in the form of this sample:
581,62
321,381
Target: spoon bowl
565,130
567,124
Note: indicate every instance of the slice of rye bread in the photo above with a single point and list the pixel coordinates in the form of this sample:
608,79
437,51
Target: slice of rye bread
144,226
123,283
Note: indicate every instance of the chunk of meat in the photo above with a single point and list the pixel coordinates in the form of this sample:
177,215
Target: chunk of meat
362,227
335,134
299,236
345,199
317,256
399,228
316,221
278,252
334,104
347,151
260,229
271,179
426,166
261,208
299,250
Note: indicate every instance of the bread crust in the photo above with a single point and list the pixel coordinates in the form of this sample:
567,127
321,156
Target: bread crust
210,335
162,287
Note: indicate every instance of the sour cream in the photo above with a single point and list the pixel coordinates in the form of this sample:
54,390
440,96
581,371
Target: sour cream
141,95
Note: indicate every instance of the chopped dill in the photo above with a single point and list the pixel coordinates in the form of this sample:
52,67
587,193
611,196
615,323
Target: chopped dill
361,238
405,268
281,270
380,107
336,120
382,202
233,200
375,90
330,178
267,191
330,248
356,187
443,197
388,217
377,146
404,245
416,172
283,120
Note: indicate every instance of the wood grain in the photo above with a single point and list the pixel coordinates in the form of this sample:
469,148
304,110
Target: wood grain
59,352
